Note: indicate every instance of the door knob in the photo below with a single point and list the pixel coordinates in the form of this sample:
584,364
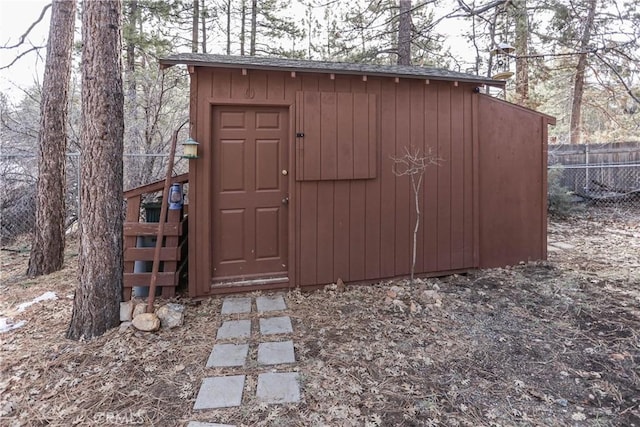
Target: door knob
285,201
285,172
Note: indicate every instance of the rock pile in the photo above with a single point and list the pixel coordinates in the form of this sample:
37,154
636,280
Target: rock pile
167,316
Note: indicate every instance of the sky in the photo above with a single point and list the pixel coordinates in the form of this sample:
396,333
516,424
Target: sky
15,18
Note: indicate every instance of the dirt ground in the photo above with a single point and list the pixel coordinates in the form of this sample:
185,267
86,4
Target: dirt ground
548,343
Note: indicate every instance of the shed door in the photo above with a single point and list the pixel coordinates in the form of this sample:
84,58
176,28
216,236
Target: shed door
250,199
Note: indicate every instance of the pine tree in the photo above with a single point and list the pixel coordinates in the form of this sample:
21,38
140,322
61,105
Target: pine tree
579,77
404,33
521,18
99,291
601,43
153,101
386,31
47,253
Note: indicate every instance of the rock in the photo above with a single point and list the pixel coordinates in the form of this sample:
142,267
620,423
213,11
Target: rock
124,326
414,308
432,297
126,311
399,291
139,308
147,322
171,315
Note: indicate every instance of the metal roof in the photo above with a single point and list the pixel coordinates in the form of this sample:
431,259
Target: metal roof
299,65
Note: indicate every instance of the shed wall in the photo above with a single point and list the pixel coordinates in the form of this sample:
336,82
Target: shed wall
361,229
513,183
357,229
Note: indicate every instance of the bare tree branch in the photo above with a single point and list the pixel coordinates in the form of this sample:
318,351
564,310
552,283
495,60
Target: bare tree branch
620,79
23,37
34,48
480,9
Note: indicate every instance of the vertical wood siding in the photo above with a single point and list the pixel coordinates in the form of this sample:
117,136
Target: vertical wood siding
512,167
336,129
361,229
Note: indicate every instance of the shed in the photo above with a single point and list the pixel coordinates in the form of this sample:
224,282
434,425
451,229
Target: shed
294,183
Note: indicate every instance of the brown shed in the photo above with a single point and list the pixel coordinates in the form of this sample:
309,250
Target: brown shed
294,183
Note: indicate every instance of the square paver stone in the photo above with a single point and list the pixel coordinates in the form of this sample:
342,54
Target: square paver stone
275,353
236,305
278,387
201,424
276,325
220,392
235,329
228,355
273,303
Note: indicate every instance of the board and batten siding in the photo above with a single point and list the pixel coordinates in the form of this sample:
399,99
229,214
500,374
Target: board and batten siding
355,229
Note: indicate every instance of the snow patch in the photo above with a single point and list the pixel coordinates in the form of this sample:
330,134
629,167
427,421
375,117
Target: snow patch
44,297
7,324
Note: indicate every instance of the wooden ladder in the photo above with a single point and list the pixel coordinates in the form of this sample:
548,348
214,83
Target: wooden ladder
174,251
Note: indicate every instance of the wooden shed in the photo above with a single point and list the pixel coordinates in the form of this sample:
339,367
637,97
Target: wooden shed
294,183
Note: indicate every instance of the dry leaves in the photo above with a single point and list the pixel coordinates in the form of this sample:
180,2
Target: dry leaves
552,343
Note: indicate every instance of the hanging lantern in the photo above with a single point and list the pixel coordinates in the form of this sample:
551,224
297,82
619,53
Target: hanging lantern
190,149
502,54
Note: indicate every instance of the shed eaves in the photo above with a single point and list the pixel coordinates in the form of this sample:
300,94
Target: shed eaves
298,65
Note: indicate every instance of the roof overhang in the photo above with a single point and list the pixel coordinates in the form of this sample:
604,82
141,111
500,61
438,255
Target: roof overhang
297,65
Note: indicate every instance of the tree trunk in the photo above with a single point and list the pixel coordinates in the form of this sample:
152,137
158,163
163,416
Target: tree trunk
242,26
98,294
254,19
131,32
522,49
575,125
229,27
194,29
203,22
404,33
47,252
416,182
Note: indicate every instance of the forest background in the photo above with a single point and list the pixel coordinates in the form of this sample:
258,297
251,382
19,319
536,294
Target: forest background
557,43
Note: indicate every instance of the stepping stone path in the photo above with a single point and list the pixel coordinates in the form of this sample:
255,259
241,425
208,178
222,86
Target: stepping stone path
277,382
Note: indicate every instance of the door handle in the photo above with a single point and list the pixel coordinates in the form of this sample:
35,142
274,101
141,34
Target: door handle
285,201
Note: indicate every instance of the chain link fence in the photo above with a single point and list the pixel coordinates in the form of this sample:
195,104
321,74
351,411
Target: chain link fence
606,185
596,176
18,176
